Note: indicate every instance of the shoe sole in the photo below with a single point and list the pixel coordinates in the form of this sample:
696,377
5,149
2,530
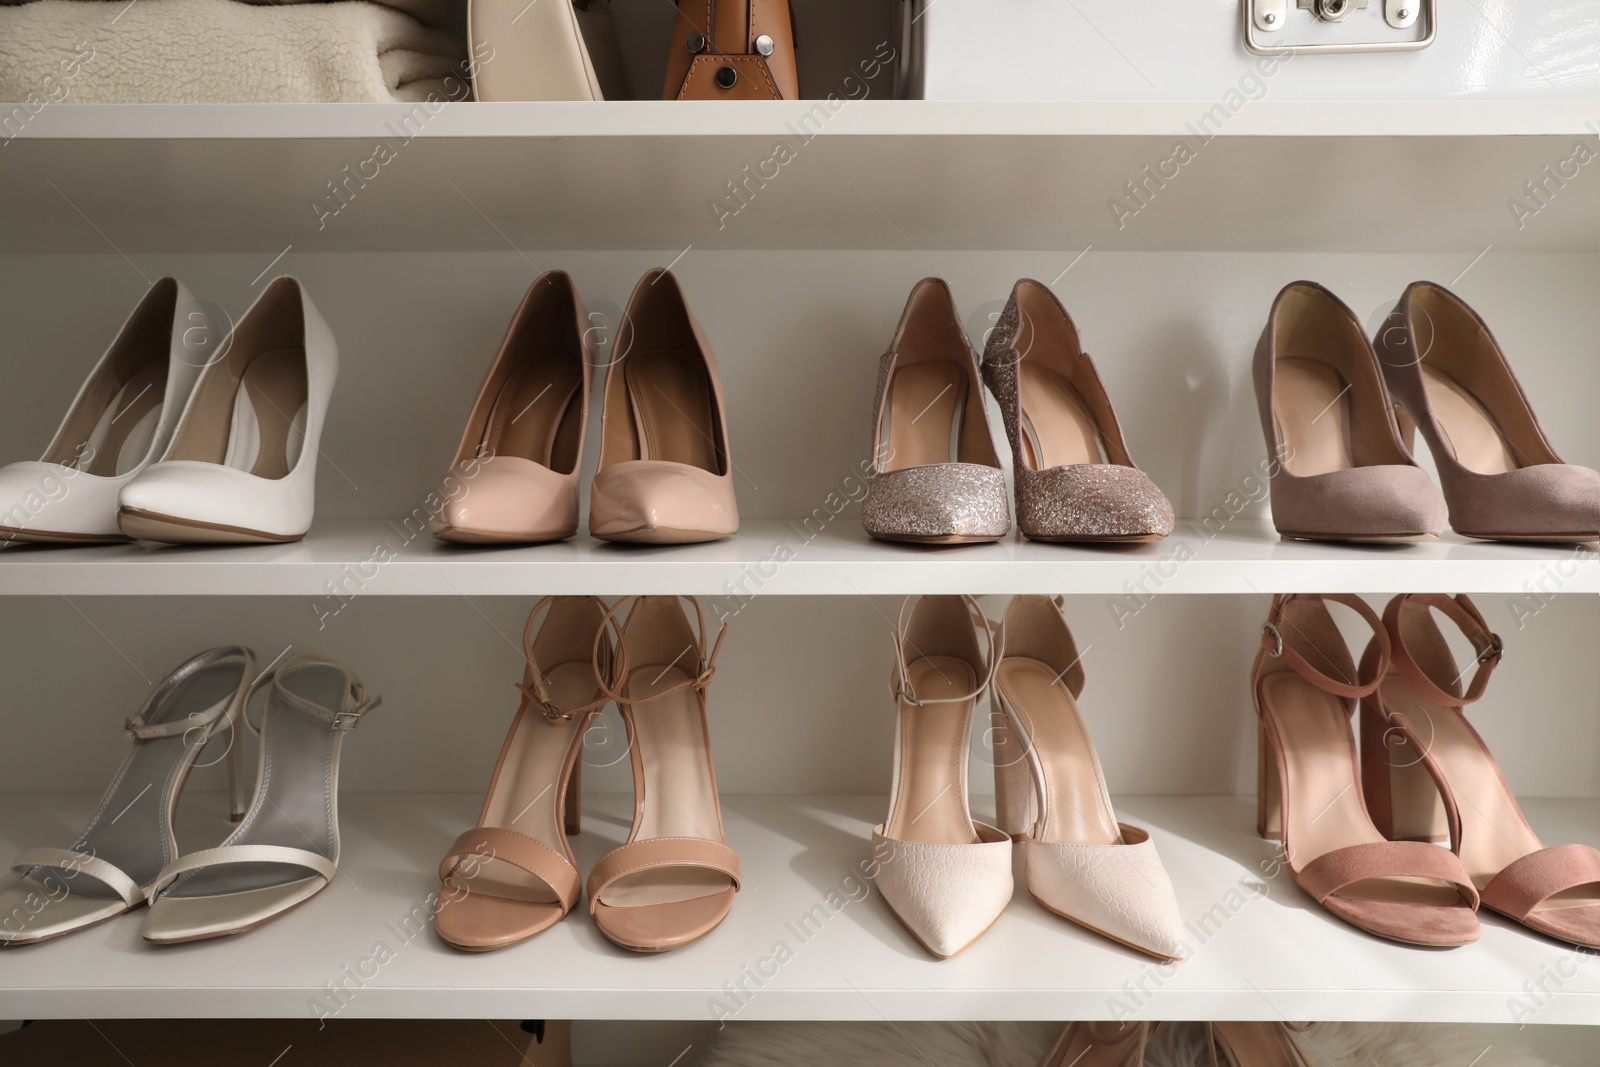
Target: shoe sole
938,539
1536,539
1109,937
153,526
661,535
236,930
1361,539
52,537
460,535
1109,539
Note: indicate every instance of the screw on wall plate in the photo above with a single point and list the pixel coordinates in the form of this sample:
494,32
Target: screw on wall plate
1269,18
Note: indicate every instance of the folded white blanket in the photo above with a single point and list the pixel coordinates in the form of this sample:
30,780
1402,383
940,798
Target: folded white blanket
221,51
431,12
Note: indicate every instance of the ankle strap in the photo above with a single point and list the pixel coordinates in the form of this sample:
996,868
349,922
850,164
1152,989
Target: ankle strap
140,728
1464,613
1278,644
993,634
536,687
706,665
347,716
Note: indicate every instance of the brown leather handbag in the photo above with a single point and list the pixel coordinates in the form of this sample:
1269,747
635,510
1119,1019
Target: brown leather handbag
733,50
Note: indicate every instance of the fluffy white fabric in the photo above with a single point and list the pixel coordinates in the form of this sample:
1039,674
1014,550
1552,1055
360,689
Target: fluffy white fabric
432,12
1023,1044
220,51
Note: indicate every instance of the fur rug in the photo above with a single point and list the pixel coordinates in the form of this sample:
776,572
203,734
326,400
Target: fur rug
1022,1045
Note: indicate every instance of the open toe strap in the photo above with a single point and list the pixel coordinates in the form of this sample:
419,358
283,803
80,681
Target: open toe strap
76,863
525,853
1324,876
658,852
225,855
1518,890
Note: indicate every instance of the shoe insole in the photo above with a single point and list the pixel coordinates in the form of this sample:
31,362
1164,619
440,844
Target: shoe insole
930,801
1056,428
294,806
1494,833
129,830
1256,1045
123,434
1326,811
673,414
527,792
1077,804
1468,429
680,798
533,415
923,414
1311,402
269,411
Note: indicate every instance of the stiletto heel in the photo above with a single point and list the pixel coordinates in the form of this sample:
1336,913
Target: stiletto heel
513,875
116,862
573,813
1269,798
1305,686
1081,863
1554,891
237,801
264,868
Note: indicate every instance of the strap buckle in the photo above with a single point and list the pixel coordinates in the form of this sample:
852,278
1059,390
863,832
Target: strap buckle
1271,630
1489,648
901,693
347,720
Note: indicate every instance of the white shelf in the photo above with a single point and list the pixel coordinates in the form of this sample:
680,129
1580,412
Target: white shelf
1361,176
776,557
1275,956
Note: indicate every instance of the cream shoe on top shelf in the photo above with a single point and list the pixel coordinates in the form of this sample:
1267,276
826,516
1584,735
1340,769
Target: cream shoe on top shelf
120,421
242,465
945,876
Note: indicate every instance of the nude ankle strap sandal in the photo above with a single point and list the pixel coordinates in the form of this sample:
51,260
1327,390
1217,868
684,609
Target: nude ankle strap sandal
936,478
1081,862
116,862
1427,773
674,879
514,478
1075,479
1501,476
1305,685
514,875
944,875
1339,469
287,848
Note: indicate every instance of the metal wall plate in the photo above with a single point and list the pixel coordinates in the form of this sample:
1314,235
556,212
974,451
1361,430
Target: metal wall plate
1309,27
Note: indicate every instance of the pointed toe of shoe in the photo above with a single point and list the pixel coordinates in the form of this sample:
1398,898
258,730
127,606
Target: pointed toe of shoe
657,502
187,500
49,502
1091,502
506,499
1545,502
660,927
1120,891
941,503
1429,925
1390,502
39,911
946,895
479,922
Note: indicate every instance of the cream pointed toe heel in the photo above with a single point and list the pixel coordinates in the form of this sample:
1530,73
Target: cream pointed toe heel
114,864
287,848
1082,863
944,875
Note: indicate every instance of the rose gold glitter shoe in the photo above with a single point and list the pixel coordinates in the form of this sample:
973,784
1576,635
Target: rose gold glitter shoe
1075,479
935,476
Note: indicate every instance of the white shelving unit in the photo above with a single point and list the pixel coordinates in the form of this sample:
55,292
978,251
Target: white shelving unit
418,270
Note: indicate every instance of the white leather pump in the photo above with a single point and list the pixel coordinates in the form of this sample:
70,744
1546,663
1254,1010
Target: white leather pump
242,465
120,421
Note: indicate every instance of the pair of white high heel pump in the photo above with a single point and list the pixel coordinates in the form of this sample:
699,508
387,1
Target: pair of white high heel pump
181,434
